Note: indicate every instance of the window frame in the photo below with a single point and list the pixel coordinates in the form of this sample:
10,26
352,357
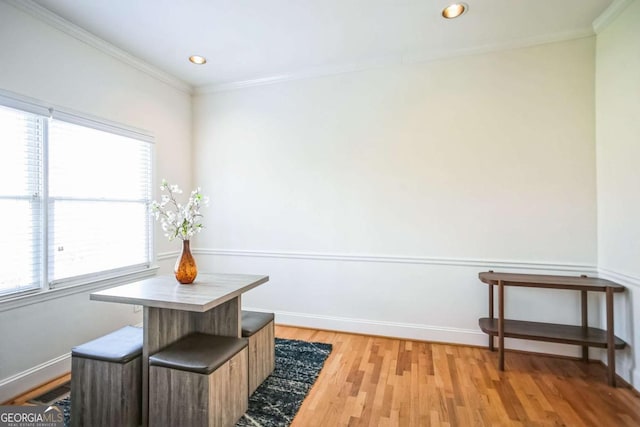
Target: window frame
49,289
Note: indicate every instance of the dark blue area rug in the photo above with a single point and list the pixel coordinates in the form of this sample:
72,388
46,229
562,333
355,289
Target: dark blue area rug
277,400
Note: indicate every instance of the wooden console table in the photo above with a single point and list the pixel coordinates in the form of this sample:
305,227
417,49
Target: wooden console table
583,335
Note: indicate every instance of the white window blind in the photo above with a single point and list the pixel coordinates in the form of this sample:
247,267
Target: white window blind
99,192
21,144
74,197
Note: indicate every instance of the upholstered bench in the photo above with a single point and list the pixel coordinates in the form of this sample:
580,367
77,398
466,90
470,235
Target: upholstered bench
200,380
258,328
106,380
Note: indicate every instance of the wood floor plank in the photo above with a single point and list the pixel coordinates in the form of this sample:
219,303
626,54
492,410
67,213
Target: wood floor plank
376,381
22,400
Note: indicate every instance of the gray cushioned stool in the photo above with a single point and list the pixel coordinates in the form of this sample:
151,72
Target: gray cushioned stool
106,380
199,380
259,329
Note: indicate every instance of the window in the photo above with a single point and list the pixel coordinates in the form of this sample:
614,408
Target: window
74,197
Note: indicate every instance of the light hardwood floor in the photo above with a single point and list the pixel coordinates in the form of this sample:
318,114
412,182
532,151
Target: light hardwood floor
38,391
374,381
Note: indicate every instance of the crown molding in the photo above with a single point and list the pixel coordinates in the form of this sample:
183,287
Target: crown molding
45,15
610,14
404,59
306,73
499,47
241,84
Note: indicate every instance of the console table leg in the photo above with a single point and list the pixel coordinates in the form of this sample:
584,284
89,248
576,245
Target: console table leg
500,325
611,350
585,324
491,346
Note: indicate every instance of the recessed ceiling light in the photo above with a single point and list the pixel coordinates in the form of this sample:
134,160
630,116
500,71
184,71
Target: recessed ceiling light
198,60
454,10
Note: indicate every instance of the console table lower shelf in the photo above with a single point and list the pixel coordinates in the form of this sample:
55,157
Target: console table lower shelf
550,332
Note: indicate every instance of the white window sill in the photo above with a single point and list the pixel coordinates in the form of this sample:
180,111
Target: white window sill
12,303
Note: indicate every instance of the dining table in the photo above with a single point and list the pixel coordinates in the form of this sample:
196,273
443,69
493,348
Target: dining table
211,305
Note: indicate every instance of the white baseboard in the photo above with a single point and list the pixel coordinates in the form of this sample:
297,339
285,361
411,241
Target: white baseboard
387,329
635,382
24,381
417,332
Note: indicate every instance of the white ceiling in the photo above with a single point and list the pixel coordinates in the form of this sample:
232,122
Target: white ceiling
257,39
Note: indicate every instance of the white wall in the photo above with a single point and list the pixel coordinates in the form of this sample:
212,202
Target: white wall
618,176
374,198
44,63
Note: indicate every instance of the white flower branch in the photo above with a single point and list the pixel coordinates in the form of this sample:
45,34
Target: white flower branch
179,221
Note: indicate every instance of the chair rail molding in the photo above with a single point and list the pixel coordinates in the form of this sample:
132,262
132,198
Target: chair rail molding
402,259
163,256
619,277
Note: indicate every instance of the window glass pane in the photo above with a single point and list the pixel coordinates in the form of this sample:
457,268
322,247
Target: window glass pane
20,200
20,136
89,163
20,164
99,191
88,237
16,250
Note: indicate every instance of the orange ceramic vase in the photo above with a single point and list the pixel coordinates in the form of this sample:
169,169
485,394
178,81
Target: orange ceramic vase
186,269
